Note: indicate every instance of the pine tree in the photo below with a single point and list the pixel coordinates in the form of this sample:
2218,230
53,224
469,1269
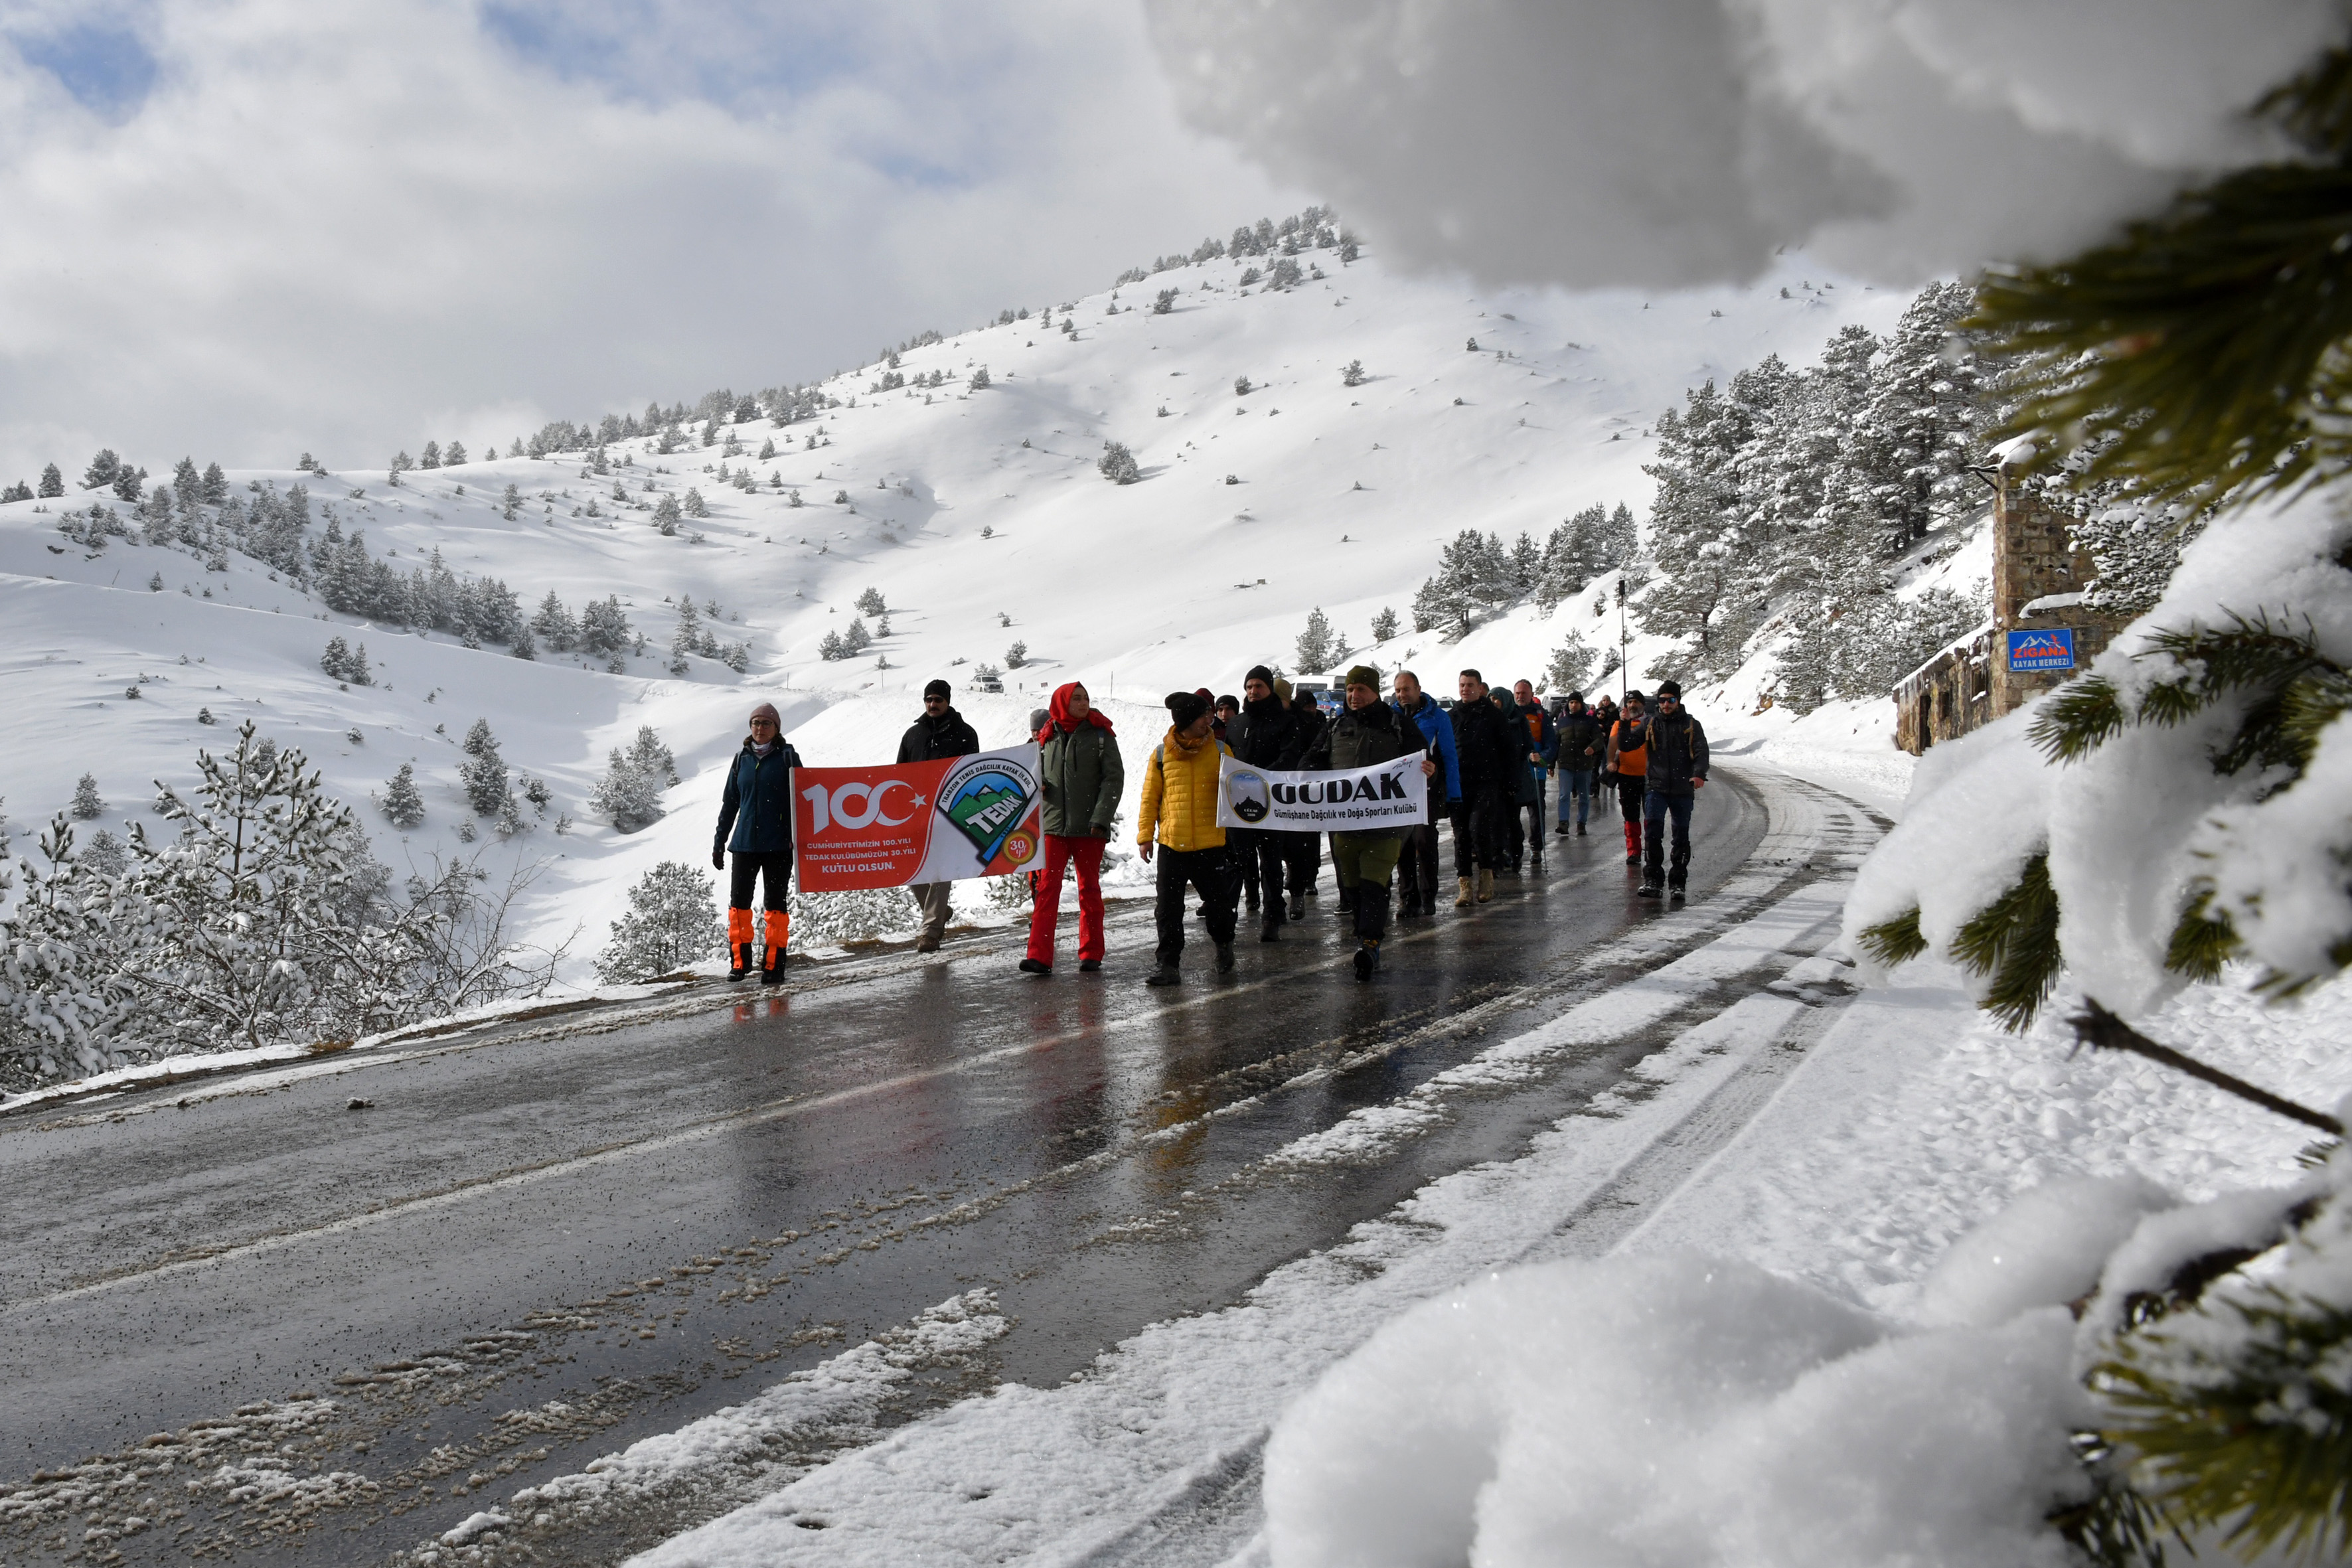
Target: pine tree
693,506
856,639
431,456
1384,625
672,921
869,602
1016,656
85,802
666,516
102,471
53,483
483,774
979,378
1570,664
1314,649
336,661
400,802
553,625
455,455
688,636
215,485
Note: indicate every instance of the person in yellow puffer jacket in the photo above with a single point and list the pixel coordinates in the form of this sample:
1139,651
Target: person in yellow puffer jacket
1179,817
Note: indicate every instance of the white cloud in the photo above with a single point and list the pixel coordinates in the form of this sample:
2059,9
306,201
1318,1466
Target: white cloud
1675,142
345,228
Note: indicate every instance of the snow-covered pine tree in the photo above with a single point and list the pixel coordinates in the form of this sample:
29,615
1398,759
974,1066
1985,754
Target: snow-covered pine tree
870,601
337,659
483,773
672,921
86,806
828,646
1708,547
1017,655
400,802
1352,373
979,378
666,516
455,455
106,855
1314,649
53,483
67,950
856,639
1384,625
1571,665
693,506
1119,464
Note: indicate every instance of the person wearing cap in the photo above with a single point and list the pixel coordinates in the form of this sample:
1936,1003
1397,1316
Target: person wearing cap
1627,762
1366,734
1677,771
1580,737
755,825
1177,818
1262,735
941,732
1077,758
1417,865
1302,853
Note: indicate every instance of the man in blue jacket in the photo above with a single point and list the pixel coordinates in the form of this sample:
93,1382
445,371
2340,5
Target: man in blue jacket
758,807
1542,750
1417,867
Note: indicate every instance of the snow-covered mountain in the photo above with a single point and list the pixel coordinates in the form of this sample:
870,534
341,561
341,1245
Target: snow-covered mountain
979,514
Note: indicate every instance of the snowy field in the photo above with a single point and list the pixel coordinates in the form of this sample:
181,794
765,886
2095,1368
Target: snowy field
978,515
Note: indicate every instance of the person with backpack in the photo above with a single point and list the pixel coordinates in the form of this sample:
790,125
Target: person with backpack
1177,818
755,825
1677,772
940,732
1366,734
1627,763
1580,738
1262,734
1418,896
1082,777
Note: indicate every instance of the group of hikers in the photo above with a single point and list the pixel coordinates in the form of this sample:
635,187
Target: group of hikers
1486,760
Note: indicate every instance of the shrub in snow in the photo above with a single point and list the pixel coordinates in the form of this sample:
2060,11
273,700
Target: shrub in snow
1118,464
859,915
1164,304
979,378
694,507
869,602
828,646
1016,656
666,516
106,855
630,793
1353,375
1384,625
1242,387
510,819
400,802
672,921
604,627
483,773
205,716
85,802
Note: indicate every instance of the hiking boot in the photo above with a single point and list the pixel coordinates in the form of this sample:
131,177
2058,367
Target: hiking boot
1485,885
1632,857
1298,906
1035,966
1090,965
742,964
1368,957
1579,830
1347,900
773,974
927,942
1164,975
1225,958
1272,930
1648,890
1462,900
1562,831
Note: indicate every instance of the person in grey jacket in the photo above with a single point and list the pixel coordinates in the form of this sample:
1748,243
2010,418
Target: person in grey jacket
1078,761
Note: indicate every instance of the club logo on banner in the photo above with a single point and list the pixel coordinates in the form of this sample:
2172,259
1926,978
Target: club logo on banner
917,821
1360,800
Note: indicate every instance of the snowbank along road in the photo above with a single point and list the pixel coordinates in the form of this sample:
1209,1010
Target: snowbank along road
560,1290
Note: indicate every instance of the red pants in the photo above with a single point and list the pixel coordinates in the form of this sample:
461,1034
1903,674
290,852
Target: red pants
1086,854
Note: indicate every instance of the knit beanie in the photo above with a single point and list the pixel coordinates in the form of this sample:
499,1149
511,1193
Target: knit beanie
1186,707
1364,675
936,689
1258,672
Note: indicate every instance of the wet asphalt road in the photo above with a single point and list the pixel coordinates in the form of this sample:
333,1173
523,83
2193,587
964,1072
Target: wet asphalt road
542,1243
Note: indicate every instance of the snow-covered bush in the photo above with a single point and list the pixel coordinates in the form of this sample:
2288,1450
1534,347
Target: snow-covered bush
85,802
672,921
1016,656
1352,373
1384,625
1119,464
859,915
870,603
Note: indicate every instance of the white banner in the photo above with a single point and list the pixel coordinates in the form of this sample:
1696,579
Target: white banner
1359,800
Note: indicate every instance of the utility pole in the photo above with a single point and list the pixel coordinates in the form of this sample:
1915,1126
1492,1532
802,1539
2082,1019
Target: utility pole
1623,640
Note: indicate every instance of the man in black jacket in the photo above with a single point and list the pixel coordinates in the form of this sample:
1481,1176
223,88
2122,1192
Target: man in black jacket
1581,739
1678,773
940,732
1485,752
1262,734
1302,853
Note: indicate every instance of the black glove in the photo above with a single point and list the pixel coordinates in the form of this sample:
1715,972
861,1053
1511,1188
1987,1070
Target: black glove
718,858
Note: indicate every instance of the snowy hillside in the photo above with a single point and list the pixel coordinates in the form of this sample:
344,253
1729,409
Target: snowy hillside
979,514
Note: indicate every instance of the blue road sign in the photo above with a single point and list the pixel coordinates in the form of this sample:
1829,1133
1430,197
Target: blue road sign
2050,648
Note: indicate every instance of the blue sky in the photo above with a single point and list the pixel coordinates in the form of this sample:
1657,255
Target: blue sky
104,65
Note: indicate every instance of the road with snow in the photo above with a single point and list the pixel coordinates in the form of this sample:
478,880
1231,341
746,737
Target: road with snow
251,1319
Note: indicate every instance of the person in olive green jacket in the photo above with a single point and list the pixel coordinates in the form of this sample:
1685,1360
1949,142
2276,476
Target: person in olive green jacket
1367,734
1078,754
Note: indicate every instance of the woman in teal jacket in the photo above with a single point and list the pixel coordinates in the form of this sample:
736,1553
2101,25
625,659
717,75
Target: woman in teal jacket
758,807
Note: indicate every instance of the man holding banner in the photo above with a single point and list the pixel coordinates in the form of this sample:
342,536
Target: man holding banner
1182,815
1365,782
939,734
